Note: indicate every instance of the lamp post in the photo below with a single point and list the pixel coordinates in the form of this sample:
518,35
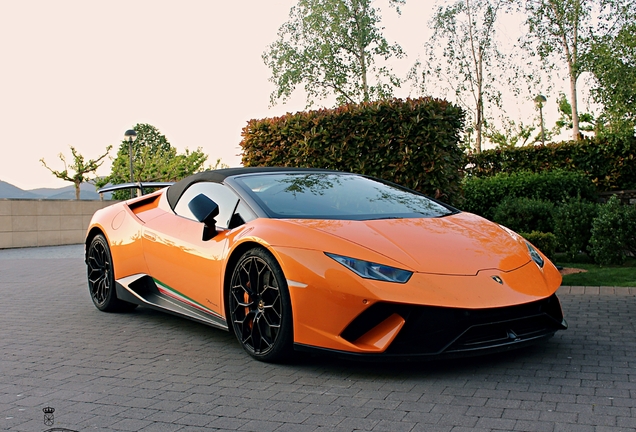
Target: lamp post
131,136
539,101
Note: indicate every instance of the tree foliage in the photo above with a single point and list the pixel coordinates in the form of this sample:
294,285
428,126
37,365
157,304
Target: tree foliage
467,31
587,122
511,134
154,159
81,168
612,61
563,33
557,33
332,46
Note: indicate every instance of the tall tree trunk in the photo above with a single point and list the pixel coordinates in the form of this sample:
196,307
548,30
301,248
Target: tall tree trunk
362,57
575,112
479,123
77,190
571,55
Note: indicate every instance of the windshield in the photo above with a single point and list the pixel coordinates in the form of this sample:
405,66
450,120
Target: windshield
336,196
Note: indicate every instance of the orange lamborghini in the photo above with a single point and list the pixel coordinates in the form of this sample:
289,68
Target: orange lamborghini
317,260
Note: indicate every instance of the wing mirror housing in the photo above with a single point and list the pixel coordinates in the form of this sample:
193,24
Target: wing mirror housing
205,210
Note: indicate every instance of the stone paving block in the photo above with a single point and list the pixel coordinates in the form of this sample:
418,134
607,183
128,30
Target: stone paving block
569,427
287,427
422,417
495,423
323,420
393,426
533,426
162,427
132,425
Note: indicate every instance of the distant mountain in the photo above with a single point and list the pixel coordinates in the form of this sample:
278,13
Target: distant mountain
88,192
7,190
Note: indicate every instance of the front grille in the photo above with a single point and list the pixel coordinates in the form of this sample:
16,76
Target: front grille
430,330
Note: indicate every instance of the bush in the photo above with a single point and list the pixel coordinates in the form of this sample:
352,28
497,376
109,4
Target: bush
413,142
545,242
483,195
610,162
613,233
525,214
573,225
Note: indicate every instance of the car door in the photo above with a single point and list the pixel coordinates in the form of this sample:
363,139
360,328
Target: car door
177,256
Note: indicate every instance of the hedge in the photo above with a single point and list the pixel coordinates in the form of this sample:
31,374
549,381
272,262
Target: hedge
545,242
609,162
413,142
522,214
483,195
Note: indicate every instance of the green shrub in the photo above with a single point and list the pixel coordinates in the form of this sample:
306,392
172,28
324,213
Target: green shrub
613,233
573,225
483,195
413,142
610,162
525,214
545,242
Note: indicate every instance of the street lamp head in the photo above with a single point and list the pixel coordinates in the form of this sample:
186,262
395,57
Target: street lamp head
540,100
130,135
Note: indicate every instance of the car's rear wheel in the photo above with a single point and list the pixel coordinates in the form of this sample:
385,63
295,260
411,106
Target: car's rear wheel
101,277
260,307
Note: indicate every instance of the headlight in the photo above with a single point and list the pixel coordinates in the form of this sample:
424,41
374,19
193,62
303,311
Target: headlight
536,257
370,270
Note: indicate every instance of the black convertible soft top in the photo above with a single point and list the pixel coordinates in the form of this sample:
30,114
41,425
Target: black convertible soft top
218,176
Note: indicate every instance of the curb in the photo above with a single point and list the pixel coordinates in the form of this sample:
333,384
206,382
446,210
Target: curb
597,290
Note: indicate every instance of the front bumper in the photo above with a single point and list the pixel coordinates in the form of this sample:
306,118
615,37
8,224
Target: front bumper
436,332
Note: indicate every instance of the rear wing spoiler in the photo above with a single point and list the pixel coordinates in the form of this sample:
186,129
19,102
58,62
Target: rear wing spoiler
139,186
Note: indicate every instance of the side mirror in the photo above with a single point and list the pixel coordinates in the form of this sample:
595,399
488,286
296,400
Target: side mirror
205,210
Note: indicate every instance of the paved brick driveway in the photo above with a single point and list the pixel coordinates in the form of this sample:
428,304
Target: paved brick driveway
148,371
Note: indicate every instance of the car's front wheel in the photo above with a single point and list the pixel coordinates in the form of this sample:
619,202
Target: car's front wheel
101,278
260,307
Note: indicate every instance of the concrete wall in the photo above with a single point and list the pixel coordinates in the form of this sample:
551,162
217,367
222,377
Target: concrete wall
27,223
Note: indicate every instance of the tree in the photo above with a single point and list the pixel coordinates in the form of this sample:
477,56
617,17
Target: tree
587,122
332,46
80,168
563,32
511,134
612,61
556,29
467,30
154,159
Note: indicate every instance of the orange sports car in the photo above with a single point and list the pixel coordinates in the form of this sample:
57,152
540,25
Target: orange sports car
317,260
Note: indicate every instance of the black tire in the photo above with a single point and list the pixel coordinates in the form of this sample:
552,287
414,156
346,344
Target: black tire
101,277
260,308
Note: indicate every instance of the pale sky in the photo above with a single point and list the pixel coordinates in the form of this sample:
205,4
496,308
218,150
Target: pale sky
80,73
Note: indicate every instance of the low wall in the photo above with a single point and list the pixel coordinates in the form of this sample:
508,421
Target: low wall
28,223
626,196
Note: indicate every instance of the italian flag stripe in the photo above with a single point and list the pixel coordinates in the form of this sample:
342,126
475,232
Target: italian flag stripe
172,293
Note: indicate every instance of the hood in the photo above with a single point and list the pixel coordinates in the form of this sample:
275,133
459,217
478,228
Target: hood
460,244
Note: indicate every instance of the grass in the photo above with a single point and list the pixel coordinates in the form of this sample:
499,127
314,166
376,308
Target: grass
596,275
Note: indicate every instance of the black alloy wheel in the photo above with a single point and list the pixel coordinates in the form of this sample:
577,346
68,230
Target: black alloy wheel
101,279
259,306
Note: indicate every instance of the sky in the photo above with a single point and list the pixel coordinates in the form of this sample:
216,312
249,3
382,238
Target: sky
80,73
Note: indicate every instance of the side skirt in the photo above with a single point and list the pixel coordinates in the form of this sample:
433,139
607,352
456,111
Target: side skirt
141,289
